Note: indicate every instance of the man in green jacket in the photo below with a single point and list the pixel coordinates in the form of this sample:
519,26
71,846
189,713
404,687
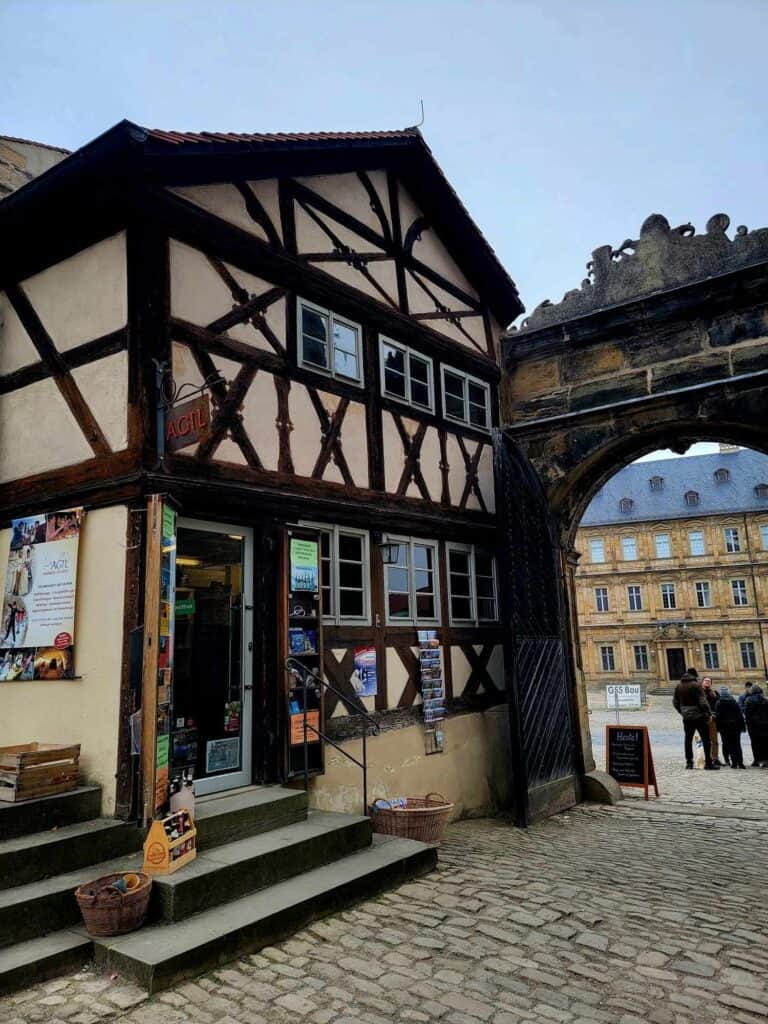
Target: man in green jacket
692,705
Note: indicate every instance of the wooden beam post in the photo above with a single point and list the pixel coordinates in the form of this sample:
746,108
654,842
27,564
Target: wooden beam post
151,650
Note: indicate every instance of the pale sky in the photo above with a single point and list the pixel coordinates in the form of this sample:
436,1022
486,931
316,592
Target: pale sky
561,123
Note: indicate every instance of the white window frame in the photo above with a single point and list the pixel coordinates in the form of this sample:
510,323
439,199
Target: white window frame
711,656
407,353
413,619
698,534
470,549
656,537
601,594
633,542
335,618
739,587
601,542
752,646
703,587
630,597
644,655
467,378
330,371
611,653
728,540
668,607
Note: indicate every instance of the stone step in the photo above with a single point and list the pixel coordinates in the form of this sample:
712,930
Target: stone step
30,858
29,816
225,817
43,958
159,955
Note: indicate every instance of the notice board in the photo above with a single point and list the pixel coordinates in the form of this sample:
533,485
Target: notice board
628,757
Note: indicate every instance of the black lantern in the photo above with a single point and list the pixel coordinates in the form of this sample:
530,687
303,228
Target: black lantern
390,550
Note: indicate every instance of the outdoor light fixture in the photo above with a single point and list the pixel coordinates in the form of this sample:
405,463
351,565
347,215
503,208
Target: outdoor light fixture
390,550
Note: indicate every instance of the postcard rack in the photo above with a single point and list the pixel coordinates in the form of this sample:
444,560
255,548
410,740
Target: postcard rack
170,844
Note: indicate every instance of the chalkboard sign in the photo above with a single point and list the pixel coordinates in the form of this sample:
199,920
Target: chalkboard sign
628,756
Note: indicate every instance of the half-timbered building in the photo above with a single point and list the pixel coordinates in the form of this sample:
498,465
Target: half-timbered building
336,313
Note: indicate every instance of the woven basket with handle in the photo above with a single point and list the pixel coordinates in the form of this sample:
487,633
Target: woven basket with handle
423,818
107,911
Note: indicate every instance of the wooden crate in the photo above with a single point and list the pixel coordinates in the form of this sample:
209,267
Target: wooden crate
162,855
32,770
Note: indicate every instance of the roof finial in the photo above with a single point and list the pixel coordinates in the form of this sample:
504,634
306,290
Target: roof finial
421,122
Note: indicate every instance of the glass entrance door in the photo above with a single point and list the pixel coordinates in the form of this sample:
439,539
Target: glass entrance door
212,696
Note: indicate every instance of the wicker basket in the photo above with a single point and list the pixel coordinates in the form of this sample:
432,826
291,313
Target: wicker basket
423,818
107,911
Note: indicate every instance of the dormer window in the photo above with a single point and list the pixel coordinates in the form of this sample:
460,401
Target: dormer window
722,475
657,483
691,497
761,491
626,505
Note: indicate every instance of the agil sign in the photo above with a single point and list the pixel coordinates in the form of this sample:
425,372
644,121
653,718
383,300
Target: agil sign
187,423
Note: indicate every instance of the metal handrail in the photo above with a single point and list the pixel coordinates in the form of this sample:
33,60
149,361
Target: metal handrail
294,667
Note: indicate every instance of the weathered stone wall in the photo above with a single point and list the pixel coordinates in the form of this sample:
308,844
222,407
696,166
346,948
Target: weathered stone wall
21,161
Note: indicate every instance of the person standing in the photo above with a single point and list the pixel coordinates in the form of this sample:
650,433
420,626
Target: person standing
756,716
730,724
691,704
743,696
711,694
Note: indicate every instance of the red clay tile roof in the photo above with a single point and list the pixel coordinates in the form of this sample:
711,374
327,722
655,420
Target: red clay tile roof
202,137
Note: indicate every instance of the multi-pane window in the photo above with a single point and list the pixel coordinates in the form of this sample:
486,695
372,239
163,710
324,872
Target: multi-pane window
412,583
329,343
626,505
471,584
656,483
345,587
761,490
703,594
668,596
601,599
597,549
663,549
732,541
629,548
406,375
764,537
711,656
748,656
691,497
722,475
641,657
739,591
607,660
466,399
635,595
696,542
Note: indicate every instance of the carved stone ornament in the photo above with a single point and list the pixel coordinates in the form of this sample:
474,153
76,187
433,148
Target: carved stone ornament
661,258
673,631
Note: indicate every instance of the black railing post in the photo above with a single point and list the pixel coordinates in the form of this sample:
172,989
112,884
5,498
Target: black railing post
306,747
365,769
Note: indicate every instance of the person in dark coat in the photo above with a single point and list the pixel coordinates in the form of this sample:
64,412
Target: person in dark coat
756,716
730,725
691,704
743,696
711,694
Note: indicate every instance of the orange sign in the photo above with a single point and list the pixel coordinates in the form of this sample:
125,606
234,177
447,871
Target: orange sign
297,728
188,423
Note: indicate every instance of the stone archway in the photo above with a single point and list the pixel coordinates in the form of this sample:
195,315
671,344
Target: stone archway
665,343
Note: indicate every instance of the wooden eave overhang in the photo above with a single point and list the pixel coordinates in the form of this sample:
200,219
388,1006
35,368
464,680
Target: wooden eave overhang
103,182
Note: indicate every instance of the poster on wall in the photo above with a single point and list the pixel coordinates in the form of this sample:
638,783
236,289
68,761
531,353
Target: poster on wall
304,565
37,626
364,681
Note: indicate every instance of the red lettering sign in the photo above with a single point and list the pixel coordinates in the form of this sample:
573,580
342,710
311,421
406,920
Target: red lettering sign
188,423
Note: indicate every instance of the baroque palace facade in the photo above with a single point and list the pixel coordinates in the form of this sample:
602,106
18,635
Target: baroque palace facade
673,572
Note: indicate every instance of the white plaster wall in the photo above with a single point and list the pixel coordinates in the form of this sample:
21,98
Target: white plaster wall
226,202
104,386
429,249
16,348
85,710
430,463
485,478
347,191
38,432
457,471
259,417
83,297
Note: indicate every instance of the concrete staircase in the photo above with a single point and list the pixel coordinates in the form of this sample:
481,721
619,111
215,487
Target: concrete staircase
266,866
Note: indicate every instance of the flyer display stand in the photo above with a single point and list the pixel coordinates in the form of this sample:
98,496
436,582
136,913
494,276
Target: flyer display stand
432,692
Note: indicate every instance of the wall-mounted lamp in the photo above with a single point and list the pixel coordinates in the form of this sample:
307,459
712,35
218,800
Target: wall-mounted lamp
390,550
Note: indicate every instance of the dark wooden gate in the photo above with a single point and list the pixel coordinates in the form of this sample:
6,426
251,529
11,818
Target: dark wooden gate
538,661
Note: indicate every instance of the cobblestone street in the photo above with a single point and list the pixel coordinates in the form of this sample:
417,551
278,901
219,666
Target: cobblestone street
616,915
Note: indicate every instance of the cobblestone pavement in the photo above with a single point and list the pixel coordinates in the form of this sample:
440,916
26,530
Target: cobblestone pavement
612,915
745,791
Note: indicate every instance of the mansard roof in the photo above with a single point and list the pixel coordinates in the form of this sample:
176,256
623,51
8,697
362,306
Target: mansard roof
694,473
129,155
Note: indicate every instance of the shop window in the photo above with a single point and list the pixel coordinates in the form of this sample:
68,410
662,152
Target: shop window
466,399
635,595
739,591
329,343
629,549
711,656
601,599
597,549
641,657
345,564
406,375
696,542
703,594
412,583
471,585
748,655
663,548
607,659
668,596
732,540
